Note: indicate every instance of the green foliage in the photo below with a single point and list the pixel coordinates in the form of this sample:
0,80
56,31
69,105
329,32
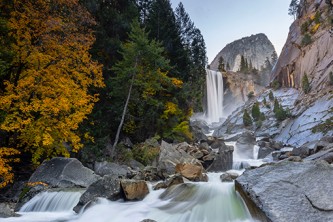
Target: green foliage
244,65
280,113
324,127
275,84
305,27
305,84
221,66
250,95
306,40
255,111
146,152
293,8
317,18
247,121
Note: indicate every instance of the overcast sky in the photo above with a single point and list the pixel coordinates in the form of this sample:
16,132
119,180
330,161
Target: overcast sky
223,21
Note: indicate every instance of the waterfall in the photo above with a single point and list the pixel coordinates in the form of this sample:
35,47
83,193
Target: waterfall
214,109
52,202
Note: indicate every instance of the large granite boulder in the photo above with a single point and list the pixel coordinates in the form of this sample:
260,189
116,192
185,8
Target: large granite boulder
108,168
134,189
64,173
289,191
193,172
107,187
223,159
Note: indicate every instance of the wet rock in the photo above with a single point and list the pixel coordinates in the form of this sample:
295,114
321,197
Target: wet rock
245,144
326,155
64,173
302,151
223,159
193,172
134,189
281,191
107,187
264,151
228,177
173,180
7,210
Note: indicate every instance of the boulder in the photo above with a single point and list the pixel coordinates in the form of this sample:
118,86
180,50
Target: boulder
228,176
326,155
107,187
107,168
173,180
134,189
7,210
193,172
289,191
170,156
264,151
64,173
223,159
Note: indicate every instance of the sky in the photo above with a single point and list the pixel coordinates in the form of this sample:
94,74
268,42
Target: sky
224,21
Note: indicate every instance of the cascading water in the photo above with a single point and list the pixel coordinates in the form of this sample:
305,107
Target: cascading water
52,202
214,109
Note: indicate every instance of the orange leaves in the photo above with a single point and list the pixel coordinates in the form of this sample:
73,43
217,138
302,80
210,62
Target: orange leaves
50,98
6,176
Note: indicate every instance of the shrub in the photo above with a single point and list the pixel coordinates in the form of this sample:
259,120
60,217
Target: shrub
304,27
317,17
247,121
280,113
250,95
276,84
305,84
306,40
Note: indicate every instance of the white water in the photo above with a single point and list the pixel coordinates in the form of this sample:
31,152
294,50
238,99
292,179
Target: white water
214,83
195,202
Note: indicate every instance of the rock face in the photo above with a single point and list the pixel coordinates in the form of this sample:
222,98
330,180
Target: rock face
64,173
313,57
289,191
223,160
107,168
193,172
255,48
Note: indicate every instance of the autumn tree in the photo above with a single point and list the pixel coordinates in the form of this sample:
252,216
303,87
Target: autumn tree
46,93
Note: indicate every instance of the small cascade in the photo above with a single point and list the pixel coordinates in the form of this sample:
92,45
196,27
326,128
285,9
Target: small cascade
52,202
214,109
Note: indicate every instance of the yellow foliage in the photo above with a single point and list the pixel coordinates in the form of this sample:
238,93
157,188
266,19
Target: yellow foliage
315,28
48,98
170,109
312,16
33,184
6,175
129,126
183,129
177,82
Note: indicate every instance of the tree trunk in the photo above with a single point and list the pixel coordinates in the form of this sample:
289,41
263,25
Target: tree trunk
123,116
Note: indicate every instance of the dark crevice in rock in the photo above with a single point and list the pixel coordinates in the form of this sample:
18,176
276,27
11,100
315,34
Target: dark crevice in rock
316,207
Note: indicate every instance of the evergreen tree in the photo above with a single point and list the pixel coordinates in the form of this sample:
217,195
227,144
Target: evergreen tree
271,96
305,84
221,64
242,64
293,8
149,105
247,121
256,111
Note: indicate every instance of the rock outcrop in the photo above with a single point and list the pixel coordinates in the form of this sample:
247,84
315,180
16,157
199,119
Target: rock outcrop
289,191
255,49
134,189
308,49
64,173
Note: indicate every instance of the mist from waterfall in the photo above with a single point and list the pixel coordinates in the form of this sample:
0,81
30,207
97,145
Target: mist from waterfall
214,84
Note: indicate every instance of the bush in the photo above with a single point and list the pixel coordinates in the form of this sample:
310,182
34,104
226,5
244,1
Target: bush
280,113
317,17
304,27
305,84
146,152
306,40
247,121
276,85
250,95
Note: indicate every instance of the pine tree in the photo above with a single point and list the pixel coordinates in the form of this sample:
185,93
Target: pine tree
247,121
305,84
293,8
221,64
255,111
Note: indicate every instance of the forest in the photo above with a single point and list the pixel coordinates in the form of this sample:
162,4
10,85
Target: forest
79,76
